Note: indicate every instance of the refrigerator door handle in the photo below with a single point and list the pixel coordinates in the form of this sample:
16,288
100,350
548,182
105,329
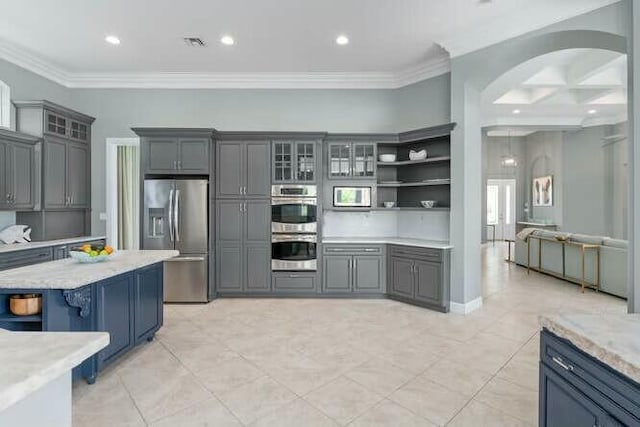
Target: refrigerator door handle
171,215
176,218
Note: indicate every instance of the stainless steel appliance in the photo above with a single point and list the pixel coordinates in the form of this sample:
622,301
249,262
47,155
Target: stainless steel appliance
352,197
176,217
294,219
294,209
291,252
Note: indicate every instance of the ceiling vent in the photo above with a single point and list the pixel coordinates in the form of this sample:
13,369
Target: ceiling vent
194,41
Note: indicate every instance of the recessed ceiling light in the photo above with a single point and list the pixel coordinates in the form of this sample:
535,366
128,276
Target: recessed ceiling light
112,39
592,111
342,40
227,40
516,111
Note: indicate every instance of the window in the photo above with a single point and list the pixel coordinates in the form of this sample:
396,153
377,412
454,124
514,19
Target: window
5,105
492,204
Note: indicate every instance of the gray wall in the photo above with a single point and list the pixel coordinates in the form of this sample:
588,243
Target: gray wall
493,148
421,104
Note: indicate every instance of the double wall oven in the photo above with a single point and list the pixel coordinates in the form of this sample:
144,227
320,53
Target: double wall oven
294,226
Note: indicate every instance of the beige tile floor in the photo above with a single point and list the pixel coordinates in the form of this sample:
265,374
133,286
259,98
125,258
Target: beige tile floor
322,362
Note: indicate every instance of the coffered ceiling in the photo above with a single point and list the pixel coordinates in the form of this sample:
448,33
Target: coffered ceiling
278,43
575,87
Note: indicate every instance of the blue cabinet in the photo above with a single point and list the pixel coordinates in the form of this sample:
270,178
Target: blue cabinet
148,303
578,390
127,306
115,314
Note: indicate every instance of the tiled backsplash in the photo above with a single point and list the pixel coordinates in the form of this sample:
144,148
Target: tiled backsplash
430,225
6,219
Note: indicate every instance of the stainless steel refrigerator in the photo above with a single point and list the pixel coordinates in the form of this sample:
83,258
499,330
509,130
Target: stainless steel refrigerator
176,217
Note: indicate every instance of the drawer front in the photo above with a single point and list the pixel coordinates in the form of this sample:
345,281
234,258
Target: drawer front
598,381
427,254
353,249
294,282
26,257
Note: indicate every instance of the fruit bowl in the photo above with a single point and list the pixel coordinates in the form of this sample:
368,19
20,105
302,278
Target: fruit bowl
85,258
91,254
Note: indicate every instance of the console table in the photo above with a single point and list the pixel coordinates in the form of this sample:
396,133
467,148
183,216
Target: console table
584,247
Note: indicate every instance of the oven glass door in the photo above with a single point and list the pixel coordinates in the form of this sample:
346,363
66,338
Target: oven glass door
294,216
293,253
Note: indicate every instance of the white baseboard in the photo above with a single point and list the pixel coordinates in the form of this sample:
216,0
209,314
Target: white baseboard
466,308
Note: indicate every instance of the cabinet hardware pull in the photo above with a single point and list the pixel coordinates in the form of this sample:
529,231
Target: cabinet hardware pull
560,362
370,250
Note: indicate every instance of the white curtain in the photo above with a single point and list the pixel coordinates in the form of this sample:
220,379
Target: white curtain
128,197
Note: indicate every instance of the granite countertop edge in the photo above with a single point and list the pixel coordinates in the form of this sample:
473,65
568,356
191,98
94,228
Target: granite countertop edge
587,341
68,274
424,243
14,247
49,370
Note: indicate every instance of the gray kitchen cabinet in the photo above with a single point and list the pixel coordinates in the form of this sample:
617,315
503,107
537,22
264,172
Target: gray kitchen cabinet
60,252
194,155
419,276
337,273
229,173
368,273
353,269
428,281
294,162
23,176
67,174
175,151
401,277
5,198
78,178
294,282
243,169
162,155
18,187
243,240
351,160
257,171
55,173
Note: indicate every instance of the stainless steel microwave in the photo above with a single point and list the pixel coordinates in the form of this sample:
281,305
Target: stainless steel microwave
352,197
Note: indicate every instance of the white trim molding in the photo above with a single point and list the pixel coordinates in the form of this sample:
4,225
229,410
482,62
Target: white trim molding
192,80
466,308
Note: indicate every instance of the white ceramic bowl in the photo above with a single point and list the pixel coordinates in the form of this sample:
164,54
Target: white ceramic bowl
387,158
428,204
417,155
389,204
85,258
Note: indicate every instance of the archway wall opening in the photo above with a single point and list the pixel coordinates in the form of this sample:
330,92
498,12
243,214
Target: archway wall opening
609,28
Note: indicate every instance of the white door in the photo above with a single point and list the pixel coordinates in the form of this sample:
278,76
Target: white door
501,209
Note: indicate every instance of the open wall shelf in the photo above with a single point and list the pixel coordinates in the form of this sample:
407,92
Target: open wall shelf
406,182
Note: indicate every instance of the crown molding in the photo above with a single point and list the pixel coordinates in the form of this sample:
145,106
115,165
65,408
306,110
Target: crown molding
192,80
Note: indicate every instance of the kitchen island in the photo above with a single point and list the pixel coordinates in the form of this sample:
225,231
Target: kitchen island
590,370
122,296
35,372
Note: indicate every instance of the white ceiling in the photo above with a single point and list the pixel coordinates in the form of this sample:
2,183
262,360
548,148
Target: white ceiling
278,42
574,87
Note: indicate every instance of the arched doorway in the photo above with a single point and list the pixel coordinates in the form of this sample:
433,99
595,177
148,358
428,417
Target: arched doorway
471,74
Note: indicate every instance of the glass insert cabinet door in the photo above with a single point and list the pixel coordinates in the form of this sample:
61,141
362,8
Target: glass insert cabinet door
305,161
283,161
339,160
364,158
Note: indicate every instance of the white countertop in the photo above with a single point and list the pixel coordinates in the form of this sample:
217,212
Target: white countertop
422,243
69,274
45,243
610,338
537,224
30,360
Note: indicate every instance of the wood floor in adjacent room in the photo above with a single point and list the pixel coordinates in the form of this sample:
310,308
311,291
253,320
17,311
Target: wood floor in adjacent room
328,362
